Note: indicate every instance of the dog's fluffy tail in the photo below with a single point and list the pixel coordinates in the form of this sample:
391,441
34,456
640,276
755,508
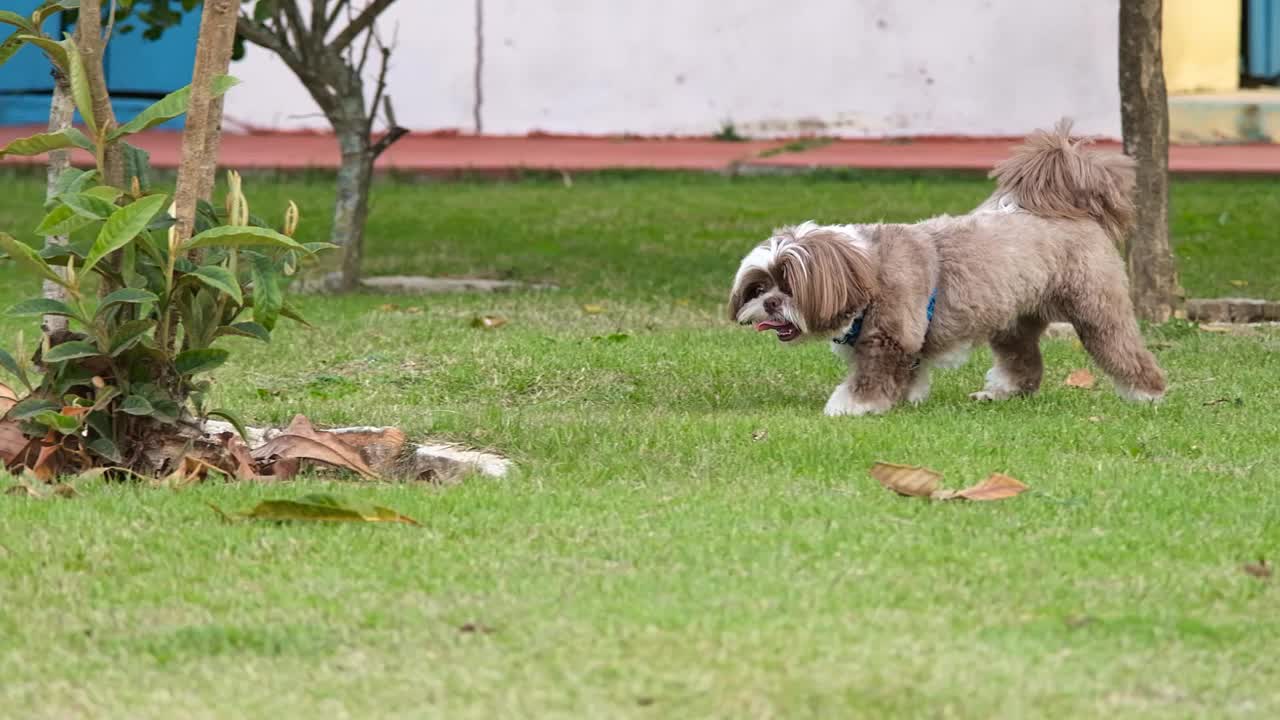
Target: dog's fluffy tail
1054,175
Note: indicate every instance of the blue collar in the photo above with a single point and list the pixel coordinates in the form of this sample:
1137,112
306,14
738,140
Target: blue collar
851,336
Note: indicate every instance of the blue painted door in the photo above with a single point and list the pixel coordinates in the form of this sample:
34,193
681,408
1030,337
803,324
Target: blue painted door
1263,43
139,71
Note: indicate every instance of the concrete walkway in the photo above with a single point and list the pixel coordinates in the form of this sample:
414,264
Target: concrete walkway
442,154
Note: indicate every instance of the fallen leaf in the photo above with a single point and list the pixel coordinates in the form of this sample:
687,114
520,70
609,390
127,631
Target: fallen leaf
996,487
1082,379
475,628
8,398
32,488
1240,283
592,309
909,480
12,441
415,310
915,481
1260,569
318,508
389,307
301,441
1095,419
1238,402
760,435
488,322
1077,621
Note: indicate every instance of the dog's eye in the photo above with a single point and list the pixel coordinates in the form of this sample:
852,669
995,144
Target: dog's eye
755,291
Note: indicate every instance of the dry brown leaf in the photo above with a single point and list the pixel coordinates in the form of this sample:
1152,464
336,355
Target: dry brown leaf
389,307
414,310
378,447
1240,283
592,309
488,322
8,398
301,441
909,480
1095,419
760,435
1082,379
32,488
1260,569
12,441
996,487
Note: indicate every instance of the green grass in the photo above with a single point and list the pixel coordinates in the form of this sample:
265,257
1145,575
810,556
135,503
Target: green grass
650,558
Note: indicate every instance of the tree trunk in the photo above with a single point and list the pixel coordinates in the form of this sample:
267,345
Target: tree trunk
61,109
199,165
351,204
91,44
1144,113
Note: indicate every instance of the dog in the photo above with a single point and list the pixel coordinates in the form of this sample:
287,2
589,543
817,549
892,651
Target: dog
898,300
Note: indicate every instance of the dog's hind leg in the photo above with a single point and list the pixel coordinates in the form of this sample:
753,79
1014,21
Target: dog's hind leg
1111,336
1018,366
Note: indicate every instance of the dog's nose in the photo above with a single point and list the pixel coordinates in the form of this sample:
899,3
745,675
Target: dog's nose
771,305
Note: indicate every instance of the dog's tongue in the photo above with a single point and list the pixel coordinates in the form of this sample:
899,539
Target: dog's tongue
770,325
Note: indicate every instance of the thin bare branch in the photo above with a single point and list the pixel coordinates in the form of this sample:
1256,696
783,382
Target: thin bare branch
360,24
380,88
317,18
333,15
111,23
394,132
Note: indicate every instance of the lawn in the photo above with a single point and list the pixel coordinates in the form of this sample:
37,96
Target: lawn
655,556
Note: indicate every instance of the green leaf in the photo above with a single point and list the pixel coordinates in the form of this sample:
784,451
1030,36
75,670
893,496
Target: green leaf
127,295
268,298
137,405
106,192
73,180
55,51
315,247
198,361
9,47
10,17
49,8
291,312
235,422
137,163
169,107
321,508
80,85
70,351
24,254
31,407
241,236
64,424
44,142
105,449
245,329
62,220
89,206
128,333
9,363
43,306
219,278
123,225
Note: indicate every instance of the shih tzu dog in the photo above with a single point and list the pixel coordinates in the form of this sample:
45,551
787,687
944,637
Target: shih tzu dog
896,301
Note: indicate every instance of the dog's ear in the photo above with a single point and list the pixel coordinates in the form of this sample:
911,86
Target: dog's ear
828,278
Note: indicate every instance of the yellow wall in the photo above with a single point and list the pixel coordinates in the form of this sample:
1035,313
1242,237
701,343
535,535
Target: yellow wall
1201,45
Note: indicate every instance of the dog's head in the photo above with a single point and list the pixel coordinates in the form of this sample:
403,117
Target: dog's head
809,281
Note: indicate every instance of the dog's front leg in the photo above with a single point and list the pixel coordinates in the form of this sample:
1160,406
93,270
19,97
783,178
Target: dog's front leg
881,375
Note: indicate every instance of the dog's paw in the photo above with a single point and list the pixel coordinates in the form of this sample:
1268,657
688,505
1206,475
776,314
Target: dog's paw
997,387
918,391
843,403
1133,394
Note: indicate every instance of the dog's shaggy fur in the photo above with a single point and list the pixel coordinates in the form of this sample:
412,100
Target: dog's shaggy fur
1040,249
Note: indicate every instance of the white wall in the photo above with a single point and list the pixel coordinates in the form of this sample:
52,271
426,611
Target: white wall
851,68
